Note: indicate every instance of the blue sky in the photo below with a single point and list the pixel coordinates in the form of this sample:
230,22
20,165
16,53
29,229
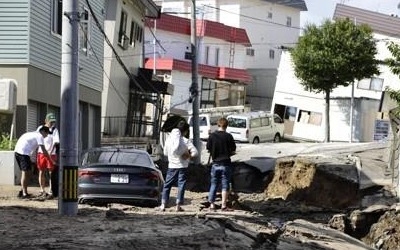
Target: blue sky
318,10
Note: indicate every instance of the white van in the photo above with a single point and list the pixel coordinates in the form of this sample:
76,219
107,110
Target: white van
207,125
255,127
208,118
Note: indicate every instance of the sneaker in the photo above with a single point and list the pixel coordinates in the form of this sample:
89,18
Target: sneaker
42,194
212,208
160,209
20,194
26,196
49,196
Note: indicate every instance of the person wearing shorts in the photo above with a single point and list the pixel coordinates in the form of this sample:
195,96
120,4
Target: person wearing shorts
43,163
26,145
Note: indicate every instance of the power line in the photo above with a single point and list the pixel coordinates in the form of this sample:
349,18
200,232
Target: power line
154,36
117,57
101,65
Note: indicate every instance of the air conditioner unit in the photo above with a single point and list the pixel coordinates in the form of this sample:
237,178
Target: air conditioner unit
167,78
8,95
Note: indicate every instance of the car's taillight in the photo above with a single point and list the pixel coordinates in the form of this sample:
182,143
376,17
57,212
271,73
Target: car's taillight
247,133
150,175
87,173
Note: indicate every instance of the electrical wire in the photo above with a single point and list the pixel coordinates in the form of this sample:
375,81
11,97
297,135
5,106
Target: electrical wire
117,57
154,35
101,64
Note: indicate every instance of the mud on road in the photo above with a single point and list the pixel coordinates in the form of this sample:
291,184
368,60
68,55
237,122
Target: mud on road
256,223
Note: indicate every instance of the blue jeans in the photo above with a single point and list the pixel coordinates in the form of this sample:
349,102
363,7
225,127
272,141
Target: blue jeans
220,173
174,175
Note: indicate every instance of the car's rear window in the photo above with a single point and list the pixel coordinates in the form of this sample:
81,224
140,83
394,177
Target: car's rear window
236,122
119,157
202,121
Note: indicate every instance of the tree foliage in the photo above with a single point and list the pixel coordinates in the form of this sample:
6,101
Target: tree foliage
334,54
337,53
394,66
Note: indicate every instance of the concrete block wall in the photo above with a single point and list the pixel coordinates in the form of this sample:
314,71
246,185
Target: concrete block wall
9,170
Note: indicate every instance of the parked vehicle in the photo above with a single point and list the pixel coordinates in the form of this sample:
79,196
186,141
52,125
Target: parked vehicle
207,125
208,118
255,127
119,175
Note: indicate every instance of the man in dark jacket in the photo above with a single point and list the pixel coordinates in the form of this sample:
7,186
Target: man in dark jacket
221,146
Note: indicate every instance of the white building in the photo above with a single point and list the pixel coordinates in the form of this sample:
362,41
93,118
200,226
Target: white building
30,53
218,45
128,89
270,24
304,111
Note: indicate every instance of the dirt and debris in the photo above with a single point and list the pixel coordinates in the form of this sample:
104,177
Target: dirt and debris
274,219
317,181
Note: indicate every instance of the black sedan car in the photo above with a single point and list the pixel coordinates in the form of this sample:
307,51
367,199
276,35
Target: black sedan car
119,175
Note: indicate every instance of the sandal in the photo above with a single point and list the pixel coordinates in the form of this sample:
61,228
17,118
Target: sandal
226,209
179,209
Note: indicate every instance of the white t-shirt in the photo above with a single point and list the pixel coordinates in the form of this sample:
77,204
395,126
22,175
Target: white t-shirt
28,143
51,140
175,146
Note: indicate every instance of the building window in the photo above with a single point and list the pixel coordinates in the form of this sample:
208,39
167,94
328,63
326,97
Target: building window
122,37
271,54
216,56
249,51
310,117
290,113
374,83
56,17
288,21
269,15
132,34
206,55
84,31
139,33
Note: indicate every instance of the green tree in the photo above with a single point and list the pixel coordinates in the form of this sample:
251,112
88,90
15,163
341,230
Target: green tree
334,54
394,66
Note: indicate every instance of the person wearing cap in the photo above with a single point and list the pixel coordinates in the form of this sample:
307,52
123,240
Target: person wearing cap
51,143
26,145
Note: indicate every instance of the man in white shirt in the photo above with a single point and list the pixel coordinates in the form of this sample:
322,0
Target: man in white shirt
179,151
26,145
51,143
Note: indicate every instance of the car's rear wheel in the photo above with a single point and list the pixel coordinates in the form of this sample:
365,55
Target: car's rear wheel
256,140
277,138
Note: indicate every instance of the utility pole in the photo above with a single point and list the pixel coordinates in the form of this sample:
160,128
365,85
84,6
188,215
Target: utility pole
351,112
352,104
194,89
68,198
